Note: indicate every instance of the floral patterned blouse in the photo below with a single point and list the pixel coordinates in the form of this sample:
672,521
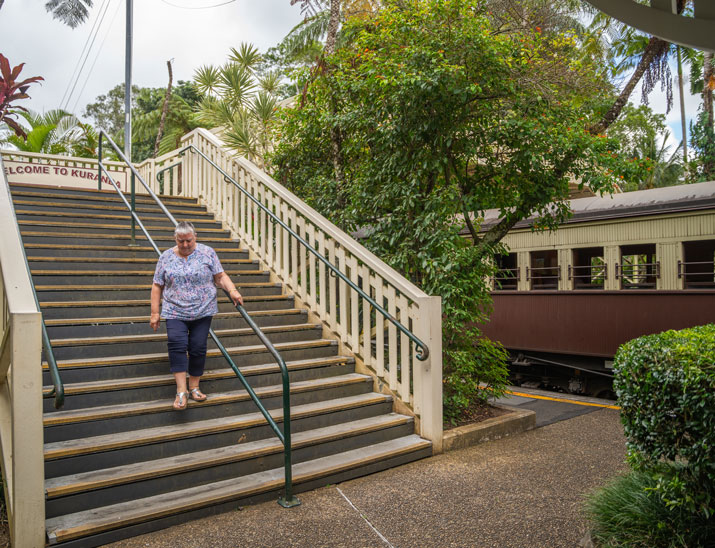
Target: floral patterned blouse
189,290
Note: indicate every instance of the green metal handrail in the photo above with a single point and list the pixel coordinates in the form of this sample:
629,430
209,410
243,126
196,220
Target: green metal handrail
161,172
58,388
422,351
289,499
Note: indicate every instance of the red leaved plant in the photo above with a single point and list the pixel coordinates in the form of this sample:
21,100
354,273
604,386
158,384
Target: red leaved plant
12,90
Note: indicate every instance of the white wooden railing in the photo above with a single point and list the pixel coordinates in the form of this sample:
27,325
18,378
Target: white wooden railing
21,438
416,384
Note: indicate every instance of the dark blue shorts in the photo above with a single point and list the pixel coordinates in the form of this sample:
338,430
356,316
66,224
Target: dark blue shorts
187,345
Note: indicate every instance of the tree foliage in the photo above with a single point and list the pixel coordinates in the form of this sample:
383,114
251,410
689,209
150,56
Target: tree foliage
236,98
12,90
442,115
70,12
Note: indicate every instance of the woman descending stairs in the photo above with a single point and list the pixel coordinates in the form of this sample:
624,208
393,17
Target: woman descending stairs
119,461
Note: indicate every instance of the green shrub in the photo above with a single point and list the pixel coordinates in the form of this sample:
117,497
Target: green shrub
665,385
629,513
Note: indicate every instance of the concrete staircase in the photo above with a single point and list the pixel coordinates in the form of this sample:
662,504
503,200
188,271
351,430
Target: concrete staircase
119,461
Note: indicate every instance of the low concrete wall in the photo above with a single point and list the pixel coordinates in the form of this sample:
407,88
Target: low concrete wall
513,422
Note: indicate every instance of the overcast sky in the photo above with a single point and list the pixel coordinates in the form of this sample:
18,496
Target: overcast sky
192,37
162,31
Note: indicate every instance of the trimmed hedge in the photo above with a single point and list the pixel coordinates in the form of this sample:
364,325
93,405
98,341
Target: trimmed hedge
665,385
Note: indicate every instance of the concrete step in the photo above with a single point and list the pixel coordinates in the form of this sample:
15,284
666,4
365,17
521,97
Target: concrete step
138,325
156,230
145,252
44,192
201,224
119,292
78,205
86,308
82,491
141,274
137,377
149,342
102,264
170,508
145,444
164,240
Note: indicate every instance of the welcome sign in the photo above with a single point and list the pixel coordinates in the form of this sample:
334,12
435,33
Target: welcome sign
60,172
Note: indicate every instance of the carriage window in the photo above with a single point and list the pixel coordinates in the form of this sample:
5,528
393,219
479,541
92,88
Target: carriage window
544,272
639,268
698,268
589,268
506,277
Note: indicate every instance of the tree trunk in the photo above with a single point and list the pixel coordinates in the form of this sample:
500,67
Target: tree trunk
164,112
708,83
333,24
682,106
655,47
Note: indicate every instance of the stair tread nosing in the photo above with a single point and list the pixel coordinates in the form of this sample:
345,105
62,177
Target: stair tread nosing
143,319
211,353
145,302
107,442
127,473
74,416
211,374
93,521
153,337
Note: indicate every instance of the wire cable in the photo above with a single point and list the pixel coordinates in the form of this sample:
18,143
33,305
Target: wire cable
79,59
99,52
197,7
69,97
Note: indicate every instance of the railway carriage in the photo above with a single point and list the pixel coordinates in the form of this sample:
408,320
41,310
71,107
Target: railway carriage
622,266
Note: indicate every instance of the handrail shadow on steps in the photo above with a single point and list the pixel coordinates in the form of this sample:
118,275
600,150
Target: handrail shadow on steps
58,388
289,499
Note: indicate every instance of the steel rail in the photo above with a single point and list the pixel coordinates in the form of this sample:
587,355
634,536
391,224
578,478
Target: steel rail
422,351
289,499
58,387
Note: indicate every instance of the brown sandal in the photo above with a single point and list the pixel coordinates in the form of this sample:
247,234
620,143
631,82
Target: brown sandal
197,395
183,401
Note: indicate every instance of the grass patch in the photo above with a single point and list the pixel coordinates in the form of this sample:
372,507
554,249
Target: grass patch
628,513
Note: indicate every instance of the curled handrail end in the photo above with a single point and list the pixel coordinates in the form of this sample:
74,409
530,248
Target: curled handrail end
422,353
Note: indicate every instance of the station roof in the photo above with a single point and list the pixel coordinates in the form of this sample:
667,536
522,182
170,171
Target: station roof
655,201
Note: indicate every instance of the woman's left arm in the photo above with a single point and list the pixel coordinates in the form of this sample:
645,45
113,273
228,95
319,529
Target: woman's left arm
223,281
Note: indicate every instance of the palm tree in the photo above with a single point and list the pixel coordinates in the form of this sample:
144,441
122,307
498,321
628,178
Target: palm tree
243,104
70,12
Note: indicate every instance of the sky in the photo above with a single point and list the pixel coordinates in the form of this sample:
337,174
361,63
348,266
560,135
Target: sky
163,30
192,37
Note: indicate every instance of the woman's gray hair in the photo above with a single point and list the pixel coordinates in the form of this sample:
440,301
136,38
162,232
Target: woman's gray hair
183,228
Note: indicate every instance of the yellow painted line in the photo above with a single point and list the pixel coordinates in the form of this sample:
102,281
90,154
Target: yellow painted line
563,400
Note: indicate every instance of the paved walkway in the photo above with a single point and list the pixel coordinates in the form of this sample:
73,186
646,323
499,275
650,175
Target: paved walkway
523,491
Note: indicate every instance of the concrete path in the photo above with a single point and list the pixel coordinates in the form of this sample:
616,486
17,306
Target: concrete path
524,491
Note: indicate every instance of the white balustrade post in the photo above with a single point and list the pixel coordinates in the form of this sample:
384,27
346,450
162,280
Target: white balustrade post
28,491
428,373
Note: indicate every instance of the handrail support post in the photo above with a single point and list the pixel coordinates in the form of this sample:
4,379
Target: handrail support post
133,202
99,164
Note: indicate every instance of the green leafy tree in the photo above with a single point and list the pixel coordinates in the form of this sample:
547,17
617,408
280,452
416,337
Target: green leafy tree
181,118
642,136
441,116
107,111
